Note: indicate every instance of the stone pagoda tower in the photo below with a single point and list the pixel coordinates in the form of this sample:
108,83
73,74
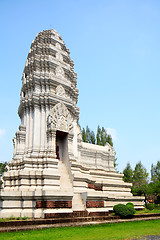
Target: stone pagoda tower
52,170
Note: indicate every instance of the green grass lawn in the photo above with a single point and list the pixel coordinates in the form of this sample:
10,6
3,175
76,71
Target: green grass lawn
148,211
110,231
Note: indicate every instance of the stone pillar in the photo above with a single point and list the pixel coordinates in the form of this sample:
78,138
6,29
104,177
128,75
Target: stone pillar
75,151
15,146
70,146
30,138
27,128
43,128
52,143
22,137
36,129
46,116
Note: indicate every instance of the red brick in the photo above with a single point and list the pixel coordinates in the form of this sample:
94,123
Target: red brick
94,204
97,187
53,204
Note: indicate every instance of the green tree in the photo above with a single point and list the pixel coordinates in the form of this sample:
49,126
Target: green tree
140,174
102,137
154,185
92,137
109,140
155,172
140,180
98,136
84,135
128,174
157,192
88,135
3,168
115,164
88,132
153,191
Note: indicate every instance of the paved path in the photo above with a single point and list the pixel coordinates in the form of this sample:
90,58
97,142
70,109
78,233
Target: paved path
149,237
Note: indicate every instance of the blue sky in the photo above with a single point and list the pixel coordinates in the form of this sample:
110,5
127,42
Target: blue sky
116,50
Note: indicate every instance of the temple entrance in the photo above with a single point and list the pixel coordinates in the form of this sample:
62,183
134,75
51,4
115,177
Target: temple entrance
62,146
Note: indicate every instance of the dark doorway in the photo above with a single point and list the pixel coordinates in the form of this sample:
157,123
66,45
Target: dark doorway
62,146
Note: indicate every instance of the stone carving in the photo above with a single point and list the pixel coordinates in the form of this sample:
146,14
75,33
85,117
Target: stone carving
60,119
62,124
59,72
59,56
58,45
56,36
60,91
50,123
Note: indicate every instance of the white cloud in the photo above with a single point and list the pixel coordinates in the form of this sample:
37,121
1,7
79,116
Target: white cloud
113,133
2,132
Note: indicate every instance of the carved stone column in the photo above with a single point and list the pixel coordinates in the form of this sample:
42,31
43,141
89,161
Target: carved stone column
43,128
36,129
53,143
70,146
27,127
15,146
30,137
51,139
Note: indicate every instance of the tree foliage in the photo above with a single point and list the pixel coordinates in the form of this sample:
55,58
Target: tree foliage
155,172
140,180
101,138
128,174
84,135
138,177
140,174
154,186
3,168
115,164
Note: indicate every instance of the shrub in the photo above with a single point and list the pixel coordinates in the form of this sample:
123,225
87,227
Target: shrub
130,204
157,206
24,218
131,210
124,210
150,206
11,217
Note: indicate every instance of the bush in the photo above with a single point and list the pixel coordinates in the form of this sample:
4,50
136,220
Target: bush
11,217
130,204
24,218
157,206
150,206
124,210
131,210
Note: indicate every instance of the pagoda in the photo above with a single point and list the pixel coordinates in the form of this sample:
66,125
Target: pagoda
53,170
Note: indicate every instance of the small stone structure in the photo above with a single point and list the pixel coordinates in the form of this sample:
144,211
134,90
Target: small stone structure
52,170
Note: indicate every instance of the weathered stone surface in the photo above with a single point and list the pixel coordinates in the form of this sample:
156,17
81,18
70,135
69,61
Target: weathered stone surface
52,170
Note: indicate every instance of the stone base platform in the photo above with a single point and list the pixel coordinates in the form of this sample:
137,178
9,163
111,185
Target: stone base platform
23,225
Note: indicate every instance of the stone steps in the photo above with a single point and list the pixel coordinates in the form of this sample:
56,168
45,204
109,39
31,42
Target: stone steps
77,203
65,182
16,225
60,218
